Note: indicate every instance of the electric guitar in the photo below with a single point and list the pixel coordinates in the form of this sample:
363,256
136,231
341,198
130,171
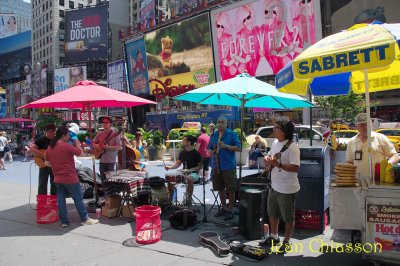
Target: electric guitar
39,160
99,150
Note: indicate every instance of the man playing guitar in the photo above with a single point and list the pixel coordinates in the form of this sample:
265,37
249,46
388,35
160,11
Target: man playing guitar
110,143
38,149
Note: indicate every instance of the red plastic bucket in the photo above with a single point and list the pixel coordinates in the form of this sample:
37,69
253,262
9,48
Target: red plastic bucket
46,209
148,224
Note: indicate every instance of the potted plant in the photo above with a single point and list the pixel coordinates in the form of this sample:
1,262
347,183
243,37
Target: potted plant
242,158
174,150
158,137
150,151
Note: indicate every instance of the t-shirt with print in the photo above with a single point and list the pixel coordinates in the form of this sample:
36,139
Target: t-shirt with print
109,156
61,158
283,181
189,159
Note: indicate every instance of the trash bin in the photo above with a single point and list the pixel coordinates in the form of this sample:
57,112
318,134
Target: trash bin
152,153
148,224
46,209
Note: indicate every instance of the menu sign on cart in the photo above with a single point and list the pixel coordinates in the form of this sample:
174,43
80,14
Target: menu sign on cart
383,222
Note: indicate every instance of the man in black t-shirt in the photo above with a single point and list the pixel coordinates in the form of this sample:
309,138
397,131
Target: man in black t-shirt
191,160
38,149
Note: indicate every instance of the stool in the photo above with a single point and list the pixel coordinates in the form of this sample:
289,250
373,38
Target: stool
216,201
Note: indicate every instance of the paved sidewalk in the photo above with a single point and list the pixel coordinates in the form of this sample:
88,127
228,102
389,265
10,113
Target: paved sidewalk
23,242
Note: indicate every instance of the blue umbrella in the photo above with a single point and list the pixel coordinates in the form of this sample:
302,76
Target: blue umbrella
244,91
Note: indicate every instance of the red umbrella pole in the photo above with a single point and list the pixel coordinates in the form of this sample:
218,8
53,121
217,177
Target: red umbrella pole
93,159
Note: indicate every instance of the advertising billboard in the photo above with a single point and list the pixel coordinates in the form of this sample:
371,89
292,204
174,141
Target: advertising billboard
262,36
15,52
115,75
347,13
116,81
179,57
86,35
137,67
147,14
8,25
65,78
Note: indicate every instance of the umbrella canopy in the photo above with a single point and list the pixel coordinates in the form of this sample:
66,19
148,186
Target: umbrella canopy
338,63
364,58
88,94
16,120
244,91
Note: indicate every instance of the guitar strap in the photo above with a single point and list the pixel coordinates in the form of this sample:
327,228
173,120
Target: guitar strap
286,146
108,137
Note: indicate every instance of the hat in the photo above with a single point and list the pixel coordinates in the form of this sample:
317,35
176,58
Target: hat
361,118
73,127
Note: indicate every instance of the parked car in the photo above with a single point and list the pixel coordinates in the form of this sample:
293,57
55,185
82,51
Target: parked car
302,135
344,136
393,135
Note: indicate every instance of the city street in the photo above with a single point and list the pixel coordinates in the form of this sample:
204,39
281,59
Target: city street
111,242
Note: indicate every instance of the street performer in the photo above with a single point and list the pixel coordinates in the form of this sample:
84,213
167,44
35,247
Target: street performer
223,145
284,163
38,149
109,144
357,148
191,160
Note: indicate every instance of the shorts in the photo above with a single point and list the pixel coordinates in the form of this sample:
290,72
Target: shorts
1,154
225,179
206,163
195,177
281,205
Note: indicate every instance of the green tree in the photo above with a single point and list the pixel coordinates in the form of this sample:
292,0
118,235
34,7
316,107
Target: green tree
44,120
345,107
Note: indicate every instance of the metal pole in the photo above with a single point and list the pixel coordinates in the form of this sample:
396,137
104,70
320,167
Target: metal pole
93,159
368,124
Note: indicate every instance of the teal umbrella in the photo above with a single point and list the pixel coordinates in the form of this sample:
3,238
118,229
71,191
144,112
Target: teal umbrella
244,91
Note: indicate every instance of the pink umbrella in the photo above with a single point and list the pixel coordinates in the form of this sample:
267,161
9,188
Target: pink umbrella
87,95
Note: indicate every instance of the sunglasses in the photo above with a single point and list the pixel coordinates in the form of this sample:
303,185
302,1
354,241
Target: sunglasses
304,1
248,18
267,11
220,26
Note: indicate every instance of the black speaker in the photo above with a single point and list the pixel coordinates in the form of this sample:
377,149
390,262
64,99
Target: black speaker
252,210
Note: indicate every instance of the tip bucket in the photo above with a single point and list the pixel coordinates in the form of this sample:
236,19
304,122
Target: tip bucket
148,224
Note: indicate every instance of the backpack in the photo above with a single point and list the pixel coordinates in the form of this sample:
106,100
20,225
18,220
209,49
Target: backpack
182,219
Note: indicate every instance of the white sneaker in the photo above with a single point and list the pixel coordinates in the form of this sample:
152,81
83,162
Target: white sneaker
90,221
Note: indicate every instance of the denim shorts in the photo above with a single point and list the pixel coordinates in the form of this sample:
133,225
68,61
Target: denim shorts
281,205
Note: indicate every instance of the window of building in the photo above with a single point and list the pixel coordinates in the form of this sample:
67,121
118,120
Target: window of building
51,25
80,5
61,48
47,16
61,37
71,4
61,60
61,13
62,25
61,2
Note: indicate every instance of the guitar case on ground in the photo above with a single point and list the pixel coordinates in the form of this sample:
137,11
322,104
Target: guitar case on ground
212,240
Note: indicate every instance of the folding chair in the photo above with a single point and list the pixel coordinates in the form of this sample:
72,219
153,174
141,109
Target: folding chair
216,202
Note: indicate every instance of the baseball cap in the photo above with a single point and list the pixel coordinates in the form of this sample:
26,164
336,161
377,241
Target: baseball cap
361,118
73,127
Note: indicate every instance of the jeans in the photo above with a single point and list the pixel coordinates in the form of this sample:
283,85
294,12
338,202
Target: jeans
105,167
44,174
74,190
254,155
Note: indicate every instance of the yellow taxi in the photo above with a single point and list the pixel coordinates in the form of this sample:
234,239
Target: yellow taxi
179,133
393,134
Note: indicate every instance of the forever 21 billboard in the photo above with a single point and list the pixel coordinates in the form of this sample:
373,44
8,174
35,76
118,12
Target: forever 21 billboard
86,34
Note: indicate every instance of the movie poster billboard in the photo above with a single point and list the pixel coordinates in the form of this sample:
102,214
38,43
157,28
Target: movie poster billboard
86,34
8,25
115,75
116,81
147,14
65,78
137,67
262,36
180,57
15,52
347,13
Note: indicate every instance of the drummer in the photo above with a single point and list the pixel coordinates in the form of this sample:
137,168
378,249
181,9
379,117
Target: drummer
357,148
191,160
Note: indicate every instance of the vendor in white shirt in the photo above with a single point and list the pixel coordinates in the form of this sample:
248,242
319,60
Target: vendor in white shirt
357,148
